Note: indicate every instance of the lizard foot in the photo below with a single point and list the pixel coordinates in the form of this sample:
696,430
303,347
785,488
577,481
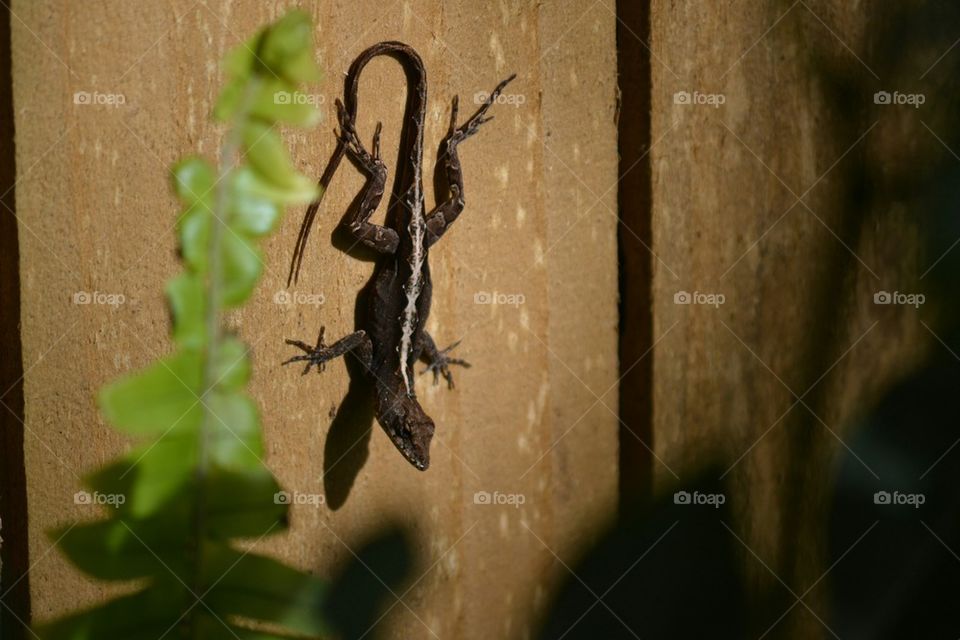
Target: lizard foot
348,136
440,365
456,134
318,354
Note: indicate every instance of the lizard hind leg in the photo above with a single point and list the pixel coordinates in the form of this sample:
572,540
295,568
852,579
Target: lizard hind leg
357,223
440,219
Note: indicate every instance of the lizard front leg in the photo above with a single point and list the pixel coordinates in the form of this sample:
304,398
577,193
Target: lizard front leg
438,361
378,237
444,214
319,354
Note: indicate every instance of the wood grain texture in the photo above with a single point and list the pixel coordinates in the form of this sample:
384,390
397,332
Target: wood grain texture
536,413
763,199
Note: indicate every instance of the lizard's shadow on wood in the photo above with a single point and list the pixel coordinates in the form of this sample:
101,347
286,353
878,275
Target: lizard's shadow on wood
347,446
348,441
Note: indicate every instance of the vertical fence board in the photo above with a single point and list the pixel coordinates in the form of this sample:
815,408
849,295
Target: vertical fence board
759,199
96,216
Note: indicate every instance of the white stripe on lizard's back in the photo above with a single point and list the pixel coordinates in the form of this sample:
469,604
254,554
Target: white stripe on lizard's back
417,229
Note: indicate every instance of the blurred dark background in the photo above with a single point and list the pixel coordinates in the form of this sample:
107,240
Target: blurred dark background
891,537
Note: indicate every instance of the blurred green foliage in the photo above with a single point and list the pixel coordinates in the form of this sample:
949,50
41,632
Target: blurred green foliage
196,480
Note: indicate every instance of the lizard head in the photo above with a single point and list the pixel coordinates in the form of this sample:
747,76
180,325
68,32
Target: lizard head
411,430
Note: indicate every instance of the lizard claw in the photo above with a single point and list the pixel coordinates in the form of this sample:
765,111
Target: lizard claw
376,141
455,107
317,354
440,365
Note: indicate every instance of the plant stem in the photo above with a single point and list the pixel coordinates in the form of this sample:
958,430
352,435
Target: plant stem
229,159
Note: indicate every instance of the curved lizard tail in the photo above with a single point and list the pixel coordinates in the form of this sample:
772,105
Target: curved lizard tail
417,104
